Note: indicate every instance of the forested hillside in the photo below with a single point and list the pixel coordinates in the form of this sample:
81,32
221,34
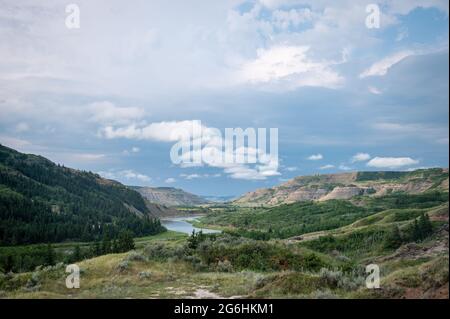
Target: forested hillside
41,201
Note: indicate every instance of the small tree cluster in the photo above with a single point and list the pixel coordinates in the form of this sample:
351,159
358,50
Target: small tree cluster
195,239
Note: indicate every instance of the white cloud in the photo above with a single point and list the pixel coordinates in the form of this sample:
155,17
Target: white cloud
374,90
87,157
291,67
343,167
292,168
171,131
125,176
391,162
170,180
381,67
284,19
328,166
190,176
134,149
360,157
185,132
106,112
196,176
315,157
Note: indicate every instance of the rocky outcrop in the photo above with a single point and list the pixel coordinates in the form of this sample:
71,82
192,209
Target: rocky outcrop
346,186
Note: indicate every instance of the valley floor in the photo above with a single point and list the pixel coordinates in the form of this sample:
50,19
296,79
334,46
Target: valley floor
257,256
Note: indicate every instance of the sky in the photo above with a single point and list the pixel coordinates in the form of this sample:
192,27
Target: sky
107,96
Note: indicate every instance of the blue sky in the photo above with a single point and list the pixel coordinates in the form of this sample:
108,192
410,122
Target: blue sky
344,97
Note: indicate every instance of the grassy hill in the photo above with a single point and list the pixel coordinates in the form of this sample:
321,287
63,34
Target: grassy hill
328,264
41,201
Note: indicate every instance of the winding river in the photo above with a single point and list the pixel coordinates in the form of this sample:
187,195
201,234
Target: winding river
183,225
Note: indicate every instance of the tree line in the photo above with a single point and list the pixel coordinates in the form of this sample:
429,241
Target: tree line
20,259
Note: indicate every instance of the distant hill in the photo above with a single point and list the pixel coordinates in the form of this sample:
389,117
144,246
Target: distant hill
41,201
346,186
169,196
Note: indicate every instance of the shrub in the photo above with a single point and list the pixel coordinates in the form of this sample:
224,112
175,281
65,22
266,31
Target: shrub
224,266
34,282
337,279
163,252
135,256
330,278
144,274
123,266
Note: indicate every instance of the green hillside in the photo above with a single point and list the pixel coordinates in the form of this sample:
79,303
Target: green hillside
41,201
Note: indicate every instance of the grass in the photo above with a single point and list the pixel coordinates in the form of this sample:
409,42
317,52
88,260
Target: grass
418,270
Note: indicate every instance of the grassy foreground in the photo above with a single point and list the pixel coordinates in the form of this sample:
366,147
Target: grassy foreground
406,236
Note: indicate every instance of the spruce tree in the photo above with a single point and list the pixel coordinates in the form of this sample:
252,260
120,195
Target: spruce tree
49,255
76,255
424,225
393,239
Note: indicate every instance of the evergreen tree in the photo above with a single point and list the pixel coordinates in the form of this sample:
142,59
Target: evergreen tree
425,228
415,232
125,241
97,249
115,246
76,255
393,239
9,264
49,255
192,240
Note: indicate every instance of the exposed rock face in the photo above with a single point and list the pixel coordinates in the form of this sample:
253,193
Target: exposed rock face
345,193
169,196
346,186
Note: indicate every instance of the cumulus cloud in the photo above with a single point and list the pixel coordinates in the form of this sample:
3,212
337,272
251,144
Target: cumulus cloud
170,180
328,166
212,148
315,157
360,157
391,162
171,131
291,67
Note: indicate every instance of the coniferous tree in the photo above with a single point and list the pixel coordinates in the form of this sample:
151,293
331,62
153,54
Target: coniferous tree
425,226
393,239
106,245
49,255
125,241
76,255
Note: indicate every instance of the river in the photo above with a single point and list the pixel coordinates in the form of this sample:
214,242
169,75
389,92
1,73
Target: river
181,224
